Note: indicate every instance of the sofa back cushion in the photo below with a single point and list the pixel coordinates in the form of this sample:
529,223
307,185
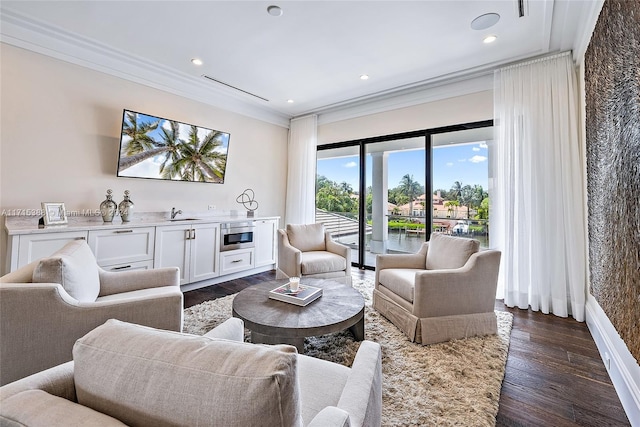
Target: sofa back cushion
144,376
74,267
306,237
446,252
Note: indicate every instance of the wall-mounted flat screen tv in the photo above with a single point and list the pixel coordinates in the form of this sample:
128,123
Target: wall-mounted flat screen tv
156,148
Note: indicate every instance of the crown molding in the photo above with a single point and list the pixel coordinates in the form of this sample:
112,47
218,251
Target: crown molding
27,33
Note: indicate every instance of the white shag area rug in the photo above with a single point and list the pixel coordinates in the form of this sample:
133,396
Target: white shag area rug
455,383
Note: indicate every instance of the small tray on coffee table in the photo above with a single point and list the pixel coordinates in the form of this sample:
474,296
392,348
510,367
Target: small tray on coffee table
303,296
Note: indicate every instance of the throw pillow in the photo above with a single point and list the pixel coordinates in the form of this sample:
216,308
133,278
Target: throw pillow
146,376
74,267
446,252
306,237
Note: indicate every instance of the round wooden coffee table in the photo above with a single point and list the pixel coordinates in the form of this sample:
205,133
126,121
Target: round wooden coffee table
276,322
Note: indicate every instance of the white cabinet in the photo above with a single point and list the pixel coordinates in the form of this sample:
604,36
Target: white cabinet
265,238
35,246
192,248
236,260
123,249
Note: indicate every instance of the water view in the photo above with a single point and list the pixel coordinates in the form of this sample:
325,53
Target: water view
397,206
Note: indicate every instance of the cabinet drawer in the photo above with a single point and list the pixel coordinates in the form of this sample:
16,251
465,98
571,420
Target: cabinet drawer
140,265
36,246
238,260
122,246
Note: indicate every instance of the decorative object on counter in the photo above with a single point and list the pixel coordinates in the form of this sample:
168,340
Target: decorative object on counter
53,214
126,207
108,208
247,199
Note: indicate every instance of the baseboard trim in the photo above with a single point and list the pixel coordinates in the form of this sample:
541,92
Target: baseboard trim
623,369
225,278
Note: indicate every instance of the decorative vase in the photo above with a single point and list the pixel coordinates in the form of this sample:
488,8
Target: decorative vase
108,208
126,207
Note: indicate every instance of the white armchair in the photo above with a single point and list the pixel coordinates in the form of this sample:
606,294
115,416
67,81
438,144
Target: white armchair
306,250
195,381
47,305
445,291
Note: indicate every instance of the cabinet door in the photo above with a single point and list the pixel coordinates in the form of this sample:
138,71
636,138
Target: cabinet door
122,246
265,241
36,246
172,249
205,243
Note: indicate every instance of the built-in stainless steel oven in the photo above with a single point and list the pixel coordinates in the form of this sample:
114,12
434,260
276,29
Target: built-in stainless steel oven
236,235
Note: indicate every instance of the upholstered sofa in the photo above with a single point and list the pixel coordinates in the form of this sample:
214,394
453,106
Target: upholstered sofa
446,291
47,305
307,250
126,374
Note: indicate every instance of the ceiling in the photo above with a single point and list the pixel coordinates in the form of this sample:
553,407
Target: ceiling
313,54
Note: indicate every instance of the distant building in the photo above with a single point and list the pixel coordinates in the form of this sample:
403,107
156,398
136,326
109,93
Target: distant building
441,209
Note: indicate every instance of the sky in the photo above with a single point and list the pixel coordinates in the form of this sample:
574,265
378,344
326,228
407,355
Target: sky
466,163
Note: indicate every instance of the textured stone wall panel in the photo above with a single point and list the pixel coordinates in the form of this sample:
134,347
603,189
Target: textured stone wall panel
612,85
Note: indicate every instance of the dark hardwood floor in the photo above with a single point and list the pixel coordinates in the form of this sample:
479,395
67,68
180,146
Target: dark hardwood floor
554,374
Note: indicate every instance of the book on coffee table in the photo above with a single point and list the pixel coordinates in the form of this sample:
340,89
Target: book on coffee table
303,296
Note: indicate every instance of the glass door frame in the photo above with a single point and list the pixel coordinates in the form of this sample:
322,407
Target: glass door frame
362,143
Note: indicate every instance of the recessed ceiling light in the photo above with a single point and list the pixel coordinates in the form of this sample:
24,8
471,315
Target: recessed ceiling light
196,61
274,10
364,77
290,101
485,21
490,39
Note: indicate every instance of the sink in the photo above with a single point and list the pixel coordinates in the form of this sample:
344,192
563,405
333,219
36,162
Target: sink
184,219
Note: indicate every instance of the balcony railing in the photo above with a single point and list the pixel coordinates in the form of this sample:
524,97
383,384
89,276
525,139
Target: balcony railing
405,232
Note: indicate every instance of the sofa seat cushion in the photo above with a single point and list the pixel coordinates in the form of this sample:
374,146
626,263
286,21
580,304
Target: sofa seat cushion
315,262
74,267
146,376
447,252
321,385
400,281
306,237
37,408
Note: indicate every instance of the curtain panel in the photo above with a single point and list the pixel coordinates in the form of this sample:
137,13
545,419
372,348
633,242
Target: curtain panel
538,209
300,205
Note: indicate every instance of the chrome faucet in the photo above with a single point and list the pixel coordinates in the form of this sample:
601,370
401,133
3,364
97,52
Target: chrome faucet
175,212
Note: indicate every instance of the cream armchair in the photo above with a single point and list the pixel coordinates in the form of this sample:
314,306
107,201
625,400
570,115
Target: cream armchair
445,291
47,305
306,250
125,374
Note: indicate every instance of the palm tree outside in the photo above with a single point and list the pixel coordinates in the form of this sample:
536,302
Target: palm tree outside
410,188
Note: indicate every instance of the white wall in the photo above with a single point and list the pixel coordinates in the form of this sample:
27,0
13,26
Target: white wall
59,138
460,109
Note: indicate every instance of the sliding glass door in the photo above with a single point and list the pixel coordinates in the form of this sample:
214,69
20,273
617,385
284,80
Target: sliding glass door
387,194
460,171
396,199
337,194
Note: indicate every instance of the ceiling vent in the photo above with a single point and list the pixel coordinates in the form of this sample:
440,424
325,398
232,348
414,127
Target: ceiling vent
233,87
523,8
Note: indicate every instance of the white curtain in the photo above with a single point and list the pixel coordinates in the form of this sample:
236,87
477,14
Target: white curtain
301,171
538,216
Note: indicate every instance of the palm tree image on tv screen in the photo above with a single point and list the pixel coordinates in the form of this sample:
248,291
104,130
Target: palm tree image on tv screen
156,148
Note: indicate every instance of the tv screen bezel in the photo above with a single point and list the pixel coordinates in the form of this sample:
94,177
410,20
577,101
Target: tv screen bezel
162,120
